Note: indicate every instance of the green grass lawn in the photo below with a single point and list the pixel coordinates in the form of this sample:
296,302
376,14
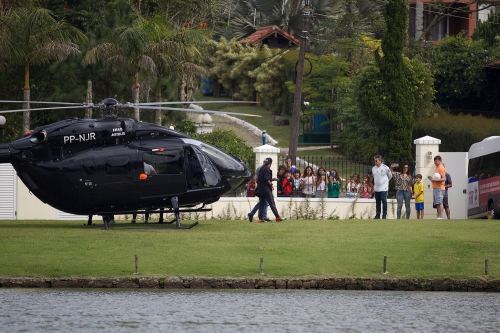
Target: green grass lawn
324,152
342,248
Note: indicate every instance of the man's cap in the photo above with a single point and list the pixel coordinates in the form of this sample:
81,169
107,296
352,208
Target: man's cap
268,160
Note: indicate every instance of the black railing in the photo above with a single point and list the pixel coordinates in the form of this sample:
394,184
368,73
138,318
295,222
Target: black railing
345,168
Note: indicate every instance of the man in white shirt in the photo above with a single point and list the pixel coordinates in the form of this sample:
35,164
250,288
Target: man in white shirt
381,177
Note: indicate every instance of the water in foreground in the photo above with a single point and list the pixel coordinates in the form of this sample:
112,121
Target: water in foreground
35,310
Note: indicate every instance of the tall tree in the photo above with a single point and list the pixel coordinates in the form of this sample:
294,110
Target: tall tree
128,45
392,108
270,79
342,29
176,53
224,57
488,31
32,36
462,79
250,15
324,86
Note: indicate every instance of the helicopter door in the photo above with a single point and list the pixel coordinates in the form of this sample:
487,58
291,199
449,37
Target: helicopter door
87,193
117,180
165,174
199,169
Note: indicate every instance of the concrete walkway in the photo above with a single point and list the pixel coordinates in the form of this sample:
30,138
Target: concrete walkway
251,138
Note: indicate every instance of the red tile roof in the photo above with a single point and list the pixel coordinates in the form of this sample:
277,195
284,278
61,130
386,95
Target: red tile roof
265,32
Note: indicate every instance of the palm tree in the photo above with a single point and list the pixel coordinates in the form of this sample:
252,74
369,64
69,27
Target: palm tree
251,15
32,36
128,46
176,53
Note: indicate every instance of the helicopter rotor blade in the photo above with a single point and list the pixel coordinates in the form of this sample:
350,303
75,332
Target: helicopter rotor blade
40,109
191,110
40,102
193,102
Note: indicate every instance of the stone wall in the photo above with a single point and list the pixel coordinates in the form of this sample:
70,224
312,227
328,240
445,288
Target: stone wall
324,283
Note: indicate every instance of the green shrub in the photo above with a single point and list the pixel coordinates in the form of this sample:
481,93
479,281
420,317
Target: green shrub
187,127
231,143
457,133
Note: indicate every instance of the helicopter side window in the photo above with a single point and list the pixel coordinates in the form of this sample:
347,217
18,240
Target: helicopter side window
167,162
194,171
117,165
221,160
211,174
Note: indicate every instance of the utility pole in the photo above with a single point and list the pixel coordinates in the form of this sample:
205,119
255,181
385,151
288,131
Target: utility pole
297,100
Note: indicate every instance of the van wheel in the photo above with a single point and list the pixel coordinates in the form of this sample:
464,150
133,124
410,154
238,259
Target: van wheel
491,211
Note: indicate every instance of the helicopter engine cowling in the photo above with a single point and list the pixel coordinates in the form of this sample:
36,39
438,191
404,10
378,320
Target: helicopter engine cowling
5,156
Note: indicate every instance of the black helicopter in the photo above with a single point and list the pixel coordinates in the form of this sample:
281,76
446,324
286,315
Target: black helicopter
117,165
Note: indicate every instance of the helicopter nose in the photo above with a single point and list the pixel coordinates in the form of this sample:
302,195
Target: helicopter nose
5,156
245,176
248,174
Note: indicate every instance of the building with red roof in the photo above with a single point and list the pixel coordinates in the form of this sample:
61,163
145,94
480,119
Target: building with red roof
272,36
460,15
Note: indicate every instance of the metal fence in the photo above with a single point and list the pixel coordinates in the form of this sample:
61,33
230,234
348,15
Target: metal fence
345,168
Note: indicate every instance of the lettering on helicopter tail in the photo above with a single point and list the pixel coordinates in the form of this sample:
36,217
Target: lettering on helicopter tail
118,131
79,138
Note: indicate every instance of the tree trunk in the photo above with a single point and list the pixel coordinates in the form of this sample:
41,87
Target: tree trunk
190,86
135,94
88,111
26,97
158,99
295,8
297,102
216,88
183,91
419,20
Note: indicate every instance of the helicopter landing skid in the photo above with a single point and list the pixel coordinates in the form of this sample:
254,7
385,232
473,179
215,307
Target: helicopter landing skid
107,219
177,220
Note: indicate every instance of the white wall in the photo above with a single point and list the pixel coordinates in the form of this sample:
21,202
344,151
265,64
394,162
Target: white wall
456,165
8,187
338,208
30,208
426,148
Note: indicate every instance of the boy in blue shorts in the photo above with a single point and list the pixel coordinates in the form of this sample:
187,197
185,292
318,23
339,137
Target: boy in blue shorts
418,195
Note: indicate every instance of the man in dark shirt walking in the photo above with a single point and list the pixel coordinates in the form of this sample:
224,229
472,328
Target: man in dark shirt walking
265,190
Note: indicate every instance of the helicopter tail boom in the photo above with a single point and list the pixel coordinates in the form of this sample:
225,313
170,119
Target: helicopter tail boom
5,153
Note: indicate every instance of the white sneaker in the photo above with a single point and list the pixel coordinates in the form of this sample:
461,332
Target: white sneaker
439,218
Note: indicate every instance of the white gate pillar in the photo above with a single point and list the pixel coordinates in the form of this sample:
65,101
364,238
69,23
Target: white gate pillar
426,148
268,151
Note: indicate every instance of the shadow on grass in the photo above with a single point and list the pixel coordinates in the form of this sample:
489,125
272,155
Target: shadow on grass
146,226
36,225
83,225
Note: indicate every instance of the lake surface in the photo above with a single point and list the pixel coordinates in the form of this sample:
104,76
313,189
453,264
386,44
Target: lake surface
49,310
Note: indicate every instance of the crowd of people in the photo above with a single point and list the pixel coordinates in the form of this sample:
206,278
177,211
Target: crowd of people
291,182
375,184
